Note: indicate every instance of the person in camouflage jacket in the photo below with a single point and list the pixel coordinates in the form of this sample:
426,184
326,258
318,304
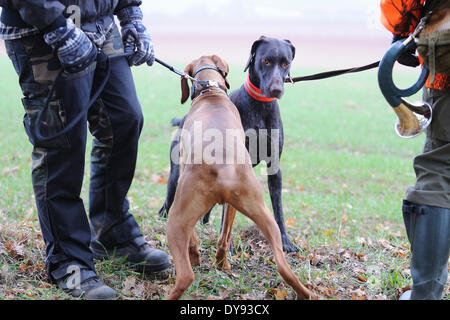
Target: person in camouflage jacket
40,39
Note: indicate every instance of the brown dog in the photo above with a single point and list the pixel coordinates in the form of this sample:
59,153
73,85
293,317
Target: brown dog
228,180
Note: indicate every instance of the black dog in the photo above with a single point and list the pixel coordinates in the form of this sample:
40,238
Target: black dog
268,66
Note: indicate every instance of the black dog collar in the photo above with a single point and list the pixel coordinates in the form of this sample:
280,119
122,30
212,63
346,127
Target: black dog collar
203,86
208,67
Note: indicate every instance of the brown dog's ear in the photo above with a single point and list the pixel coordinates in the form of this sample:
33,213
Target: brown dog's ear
292,48
255,46
184,83
184,90
222,65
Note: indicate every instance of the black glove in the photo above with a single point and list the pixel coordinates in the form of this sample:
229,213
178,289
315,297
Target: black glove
74,49
409,57
136,39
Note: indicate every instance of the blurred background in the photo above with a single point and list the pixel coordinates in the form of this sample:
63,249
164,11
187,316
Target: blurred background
326,33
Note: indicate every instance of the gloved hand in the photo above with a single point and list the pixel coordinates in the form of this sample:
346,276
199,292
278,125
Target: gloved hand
408,58
74,49
136,39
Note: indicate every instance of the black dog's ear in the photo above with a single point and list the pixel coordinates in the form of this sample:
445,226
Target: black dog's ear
255,46
292,48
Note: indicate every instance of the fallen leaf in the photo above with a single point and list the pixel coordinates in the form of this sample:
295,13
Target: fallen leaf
290,222
128,285
362,278
385,244
346,254
399,254
155,177
315,259
14,249
279,294
358,294
362,257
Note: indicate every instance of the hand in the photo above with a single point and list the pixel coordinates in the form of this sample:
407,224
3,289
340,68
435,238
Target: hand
136,39
408,58
74,49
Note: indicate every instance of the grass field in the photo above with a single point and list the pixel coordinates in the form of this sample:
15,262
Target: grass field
345,172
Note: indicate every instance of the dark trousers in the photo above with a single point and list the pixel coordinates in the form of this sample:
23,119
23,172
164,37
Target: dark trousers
115,121
432,167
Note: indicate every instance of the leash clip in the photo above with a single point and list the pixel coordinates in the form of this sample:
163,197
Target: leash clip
289,78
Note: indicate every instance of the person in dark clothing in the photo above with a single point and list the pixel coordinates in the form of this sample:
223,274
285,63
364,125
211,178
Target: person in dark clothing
40,39
426,207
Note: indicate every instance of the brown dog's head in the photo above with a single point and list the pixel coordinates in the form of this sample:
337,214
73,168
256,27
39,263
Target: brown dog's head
213,60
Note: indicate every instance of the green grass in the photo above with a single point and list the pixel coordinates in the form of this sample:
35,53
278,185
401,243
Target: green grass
344,175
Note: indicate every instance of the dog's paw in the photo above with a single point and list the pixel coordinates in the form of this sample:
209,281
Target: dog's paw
194,257
163,212
289,247
223,265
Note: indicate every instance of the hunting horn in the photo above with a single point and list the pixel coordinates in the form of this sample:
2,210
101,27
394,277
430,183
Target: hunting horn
413,119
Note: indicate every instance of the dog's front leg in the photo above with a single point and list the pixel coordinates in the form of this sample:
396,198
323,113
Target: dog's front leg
275,182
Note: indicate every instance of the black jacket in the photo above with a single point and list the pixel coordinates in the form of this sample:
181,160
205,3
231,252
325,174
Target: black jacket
43,13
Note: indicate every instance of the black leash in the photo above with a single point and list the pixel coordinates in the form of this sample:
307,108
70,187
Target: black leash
95,96
175,70
92,100
317,76
335,73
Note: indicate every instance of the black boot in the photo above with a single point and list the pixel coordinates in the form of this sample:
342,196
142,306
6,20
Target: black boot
428,230
138,253
81,282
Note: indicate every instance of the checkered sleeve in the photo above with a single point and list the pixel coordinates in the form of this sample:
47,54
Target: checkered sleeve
13,33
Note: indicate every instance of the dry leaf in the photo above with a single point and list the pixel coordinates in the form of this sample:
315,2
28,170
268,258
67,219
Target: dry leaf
385,244
362,278
290,222
14,249
279,294
362,257
358,294
128,285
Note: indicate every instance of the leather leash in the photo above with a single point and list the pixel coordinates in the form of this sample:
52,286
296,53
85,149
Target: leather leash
330,74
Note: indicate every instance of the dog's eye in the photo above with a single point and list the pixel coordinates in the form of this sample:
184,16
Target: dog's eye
285,65
266,62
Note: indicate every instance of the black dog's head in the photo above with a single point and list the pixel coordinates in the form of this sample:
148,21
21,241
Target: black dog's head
269,65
